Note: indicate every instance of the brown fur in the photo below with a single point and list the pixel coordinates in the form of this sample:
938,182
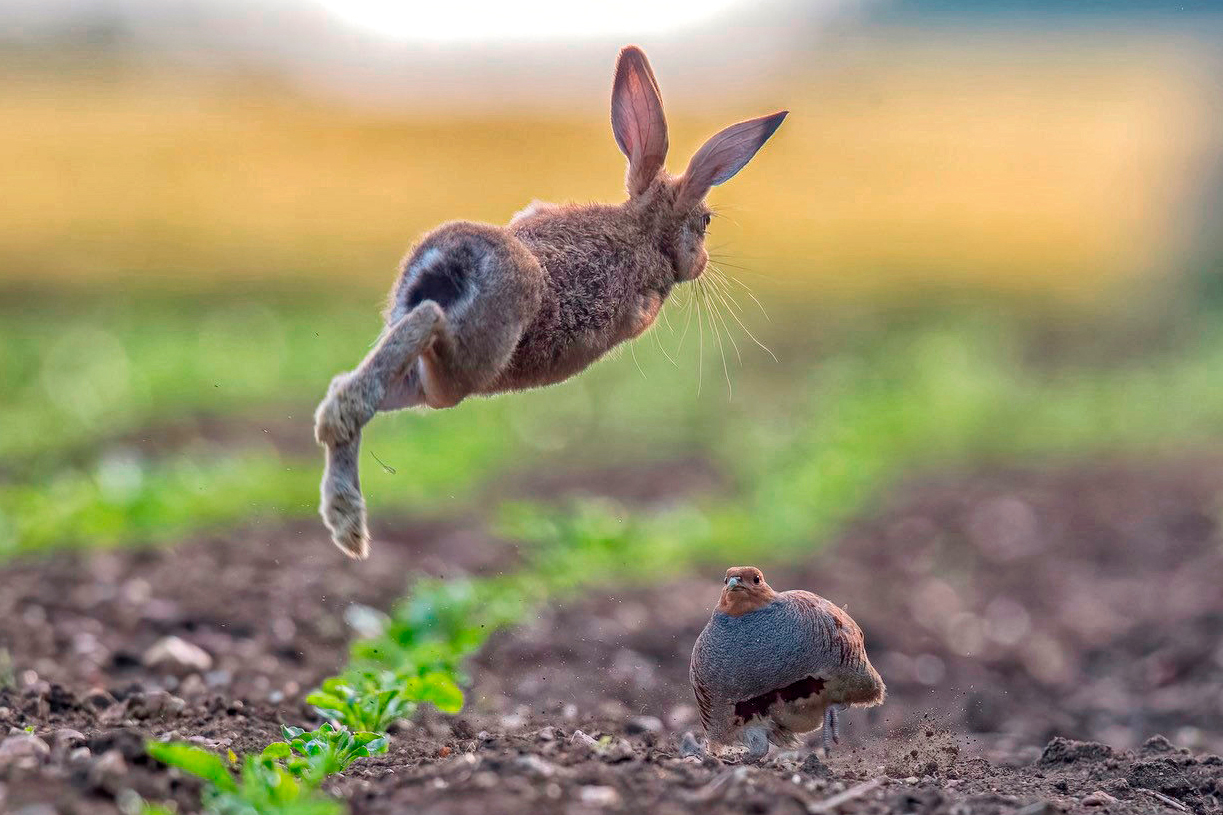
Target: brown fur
480,309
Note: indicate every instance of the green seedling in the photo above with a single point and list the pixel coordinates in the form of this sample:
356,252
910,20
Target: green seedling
440,625
361,702
262,786
368,701
312,756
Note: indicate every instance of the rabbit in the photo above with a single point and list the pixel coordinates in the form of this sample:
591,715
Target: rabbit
481,309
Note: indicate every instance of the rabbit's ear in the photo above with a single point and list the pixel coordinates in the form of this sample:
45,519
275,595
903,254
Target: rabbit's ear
637,119
724,155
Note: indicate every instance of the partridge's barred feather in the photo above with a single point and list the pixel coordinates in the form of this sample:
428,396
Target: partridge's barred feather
772,665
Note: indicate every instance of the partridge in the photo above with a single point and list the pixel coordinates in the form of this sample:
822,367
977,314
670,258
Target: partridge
771,665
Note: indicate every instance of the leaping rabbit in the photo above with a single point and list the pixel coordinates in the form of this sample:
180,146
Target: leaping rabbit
481,309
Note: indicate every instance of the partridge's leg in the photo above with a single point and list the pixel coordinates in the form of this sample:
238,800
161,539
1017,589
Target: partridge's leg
832,729
757,741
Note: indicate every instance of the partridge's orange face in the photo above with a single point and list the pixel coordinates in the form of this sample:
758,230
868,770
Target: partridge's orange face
744,591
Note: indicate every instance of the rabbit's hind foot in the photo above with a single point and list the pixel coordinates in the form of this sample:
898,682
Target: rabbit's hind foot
342,507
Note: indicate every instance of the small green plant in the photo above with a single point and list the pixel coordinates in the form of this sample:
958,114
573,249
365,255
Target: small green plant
438,626
314,755
361,702
263,786
369,701
415,660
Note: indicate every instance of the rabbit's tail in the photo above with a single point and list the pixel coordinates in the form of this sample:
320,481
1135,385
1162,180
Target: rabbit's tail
352,400
342,507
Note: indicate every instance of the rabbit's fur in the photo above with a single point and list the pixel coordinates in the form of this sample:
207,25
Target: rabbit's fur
480,309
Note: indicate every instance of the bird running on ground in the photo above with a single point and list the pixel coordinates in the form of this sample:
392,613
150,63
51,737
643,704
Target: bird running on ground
771,665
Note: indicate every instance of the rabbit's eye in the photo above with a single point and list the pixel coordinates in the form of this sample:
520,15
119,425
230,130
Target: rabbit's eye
756,579
706,218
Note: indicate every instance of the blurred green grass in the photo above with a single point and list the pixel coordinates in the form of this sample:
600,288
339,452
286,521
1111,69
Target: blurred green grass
804,440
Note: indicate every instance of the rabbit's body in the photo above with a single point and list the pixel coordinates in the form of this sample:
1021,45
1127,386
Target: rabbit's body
605,280
481,309
595,277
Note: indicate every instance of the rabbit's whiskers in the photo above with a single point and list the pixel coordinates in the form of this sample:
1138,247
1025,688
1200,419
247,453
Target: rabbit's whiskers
742,325
632,349
688,320
715,300
720,296
726,277
662,348
711,312
700,349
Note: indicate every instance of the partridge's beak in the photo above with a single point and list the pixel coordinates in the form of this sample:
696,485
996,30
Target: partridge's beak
733,583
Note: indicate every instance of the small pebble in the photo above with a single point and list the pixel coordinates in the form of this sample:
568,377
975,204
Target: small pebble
114,714
68,737
582,740
600,796
154,704
1099,798
36,809
218,679
643,724
109,767
536,765
23,748
98,699
177,655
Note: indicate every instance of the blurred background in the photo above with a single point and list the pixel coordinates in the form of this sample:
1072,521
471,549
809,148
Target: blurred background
988,235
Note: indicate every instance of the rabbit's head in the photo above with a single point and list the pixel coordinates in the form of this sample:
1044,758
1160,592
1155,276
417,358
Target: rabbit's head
674,206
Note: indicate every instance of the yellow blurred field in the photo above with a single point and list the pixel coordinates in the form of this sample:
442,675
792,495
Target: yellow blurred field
933,164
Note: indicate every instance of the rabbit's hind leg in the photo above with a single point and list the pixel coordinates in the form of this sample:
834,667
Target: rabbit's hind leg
351,402
451,370
354,397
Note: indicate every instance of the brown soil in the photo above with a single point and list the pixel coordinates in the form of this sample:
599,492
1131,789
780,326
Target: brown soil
1009,612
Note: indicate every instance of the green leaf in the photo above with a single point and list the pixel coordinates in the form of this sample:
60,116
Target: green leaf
337,686
194,760
155,809
374,747
442,692
326,701
277,750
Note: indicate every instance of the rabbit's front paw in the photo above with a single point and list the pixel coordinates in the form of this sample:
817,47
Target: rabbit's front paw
341,415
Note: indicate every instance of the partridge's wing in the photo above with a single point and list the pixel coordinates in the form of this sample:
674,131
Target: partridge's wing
700,682
833,639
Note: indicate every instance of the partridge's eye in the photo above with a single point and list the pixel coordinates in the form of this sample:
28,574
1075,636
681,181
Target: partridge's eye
706,218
